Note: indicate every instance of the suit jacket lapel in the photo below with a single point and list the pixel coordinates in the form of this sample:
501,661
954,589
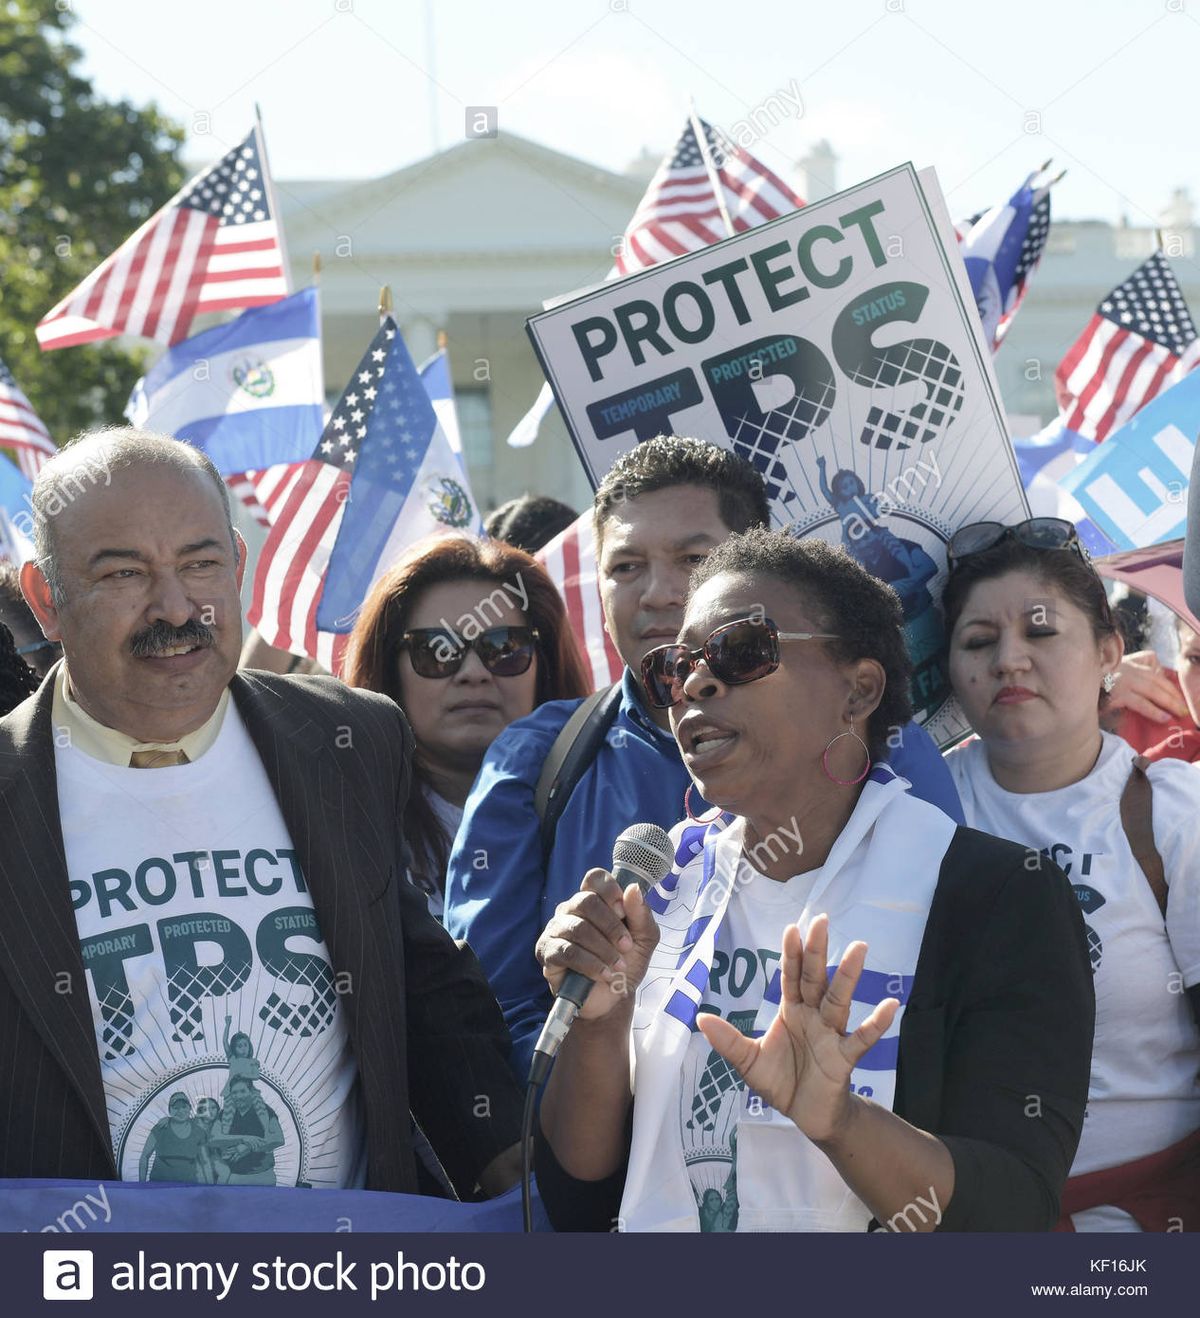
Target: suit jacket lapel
39,939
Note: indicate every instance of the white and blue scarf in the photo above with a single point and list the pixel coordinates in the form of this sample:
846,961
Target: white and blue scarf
876,885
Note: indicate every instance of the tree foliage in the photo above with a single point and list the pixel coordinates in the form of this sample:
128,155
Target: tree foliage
78,174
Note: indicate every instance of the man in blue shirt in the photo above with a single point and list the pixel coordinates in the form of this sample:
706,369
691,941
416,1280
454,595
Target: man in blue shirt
661,508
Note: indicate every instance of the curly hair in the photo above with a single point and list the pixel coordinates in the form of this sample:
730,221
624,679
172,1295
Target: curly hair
667,461
843,598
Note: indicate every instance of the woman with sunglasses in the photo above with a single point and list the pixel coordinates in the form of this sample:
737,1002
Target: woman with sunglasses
466,636
1033,650
833,1011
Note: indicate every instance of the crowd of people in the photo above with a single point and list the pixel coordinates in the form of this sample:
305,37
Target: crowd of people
880,987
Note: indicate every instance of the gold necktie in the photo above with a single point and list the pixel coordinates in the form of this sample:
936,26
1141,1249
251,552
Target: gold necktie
156,759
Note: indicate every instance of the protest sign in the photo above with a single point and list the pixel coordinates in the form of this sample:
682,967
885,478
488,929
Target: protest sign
839,349
1134,486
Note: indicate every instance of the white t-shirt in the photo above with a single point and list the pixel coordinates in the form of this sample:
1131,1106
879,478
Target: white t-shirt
191,907
712,1094
1144,1093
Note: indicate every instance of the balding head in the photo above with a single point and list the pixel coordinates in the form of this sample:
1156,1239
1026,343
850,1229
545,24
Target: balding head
94,461
137,574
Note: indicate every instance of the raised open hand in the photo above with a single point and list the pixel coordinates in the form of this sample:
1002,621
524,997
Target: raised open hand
802,1065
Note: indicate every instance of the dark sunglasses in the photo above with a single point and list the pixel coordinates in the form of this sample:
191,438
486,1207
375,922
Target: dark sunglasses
1036,533
503,651
736,653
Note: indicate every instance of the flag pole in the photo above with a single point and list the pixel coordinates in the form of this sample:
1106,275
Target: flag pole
385,301
272,198
316,269
714,174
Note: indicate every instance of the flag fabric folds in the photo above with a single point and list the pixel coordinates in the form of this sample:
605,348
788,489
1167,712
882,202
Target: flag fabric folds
249,393
383,476
215,246
682,212
21,429
570,562
1140,341
1001,249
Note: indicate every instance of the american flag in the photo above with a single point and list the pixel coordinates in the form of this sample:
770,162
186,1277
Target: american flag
1140,341
570,562
383,444
263,491
681,211
21,428
306,507
1001,248
214,246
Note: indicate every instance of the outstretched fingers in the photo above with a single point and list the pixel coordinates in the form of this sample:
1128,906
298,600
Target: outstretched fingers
739,1051
835,1005
870,1031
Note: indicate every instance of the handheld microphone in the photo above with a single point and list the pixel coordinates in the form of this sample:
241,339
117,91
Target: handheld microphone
641,855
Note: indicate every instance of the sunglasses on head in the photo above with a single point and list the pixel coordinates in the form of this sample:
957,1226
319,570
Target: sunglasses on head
437,652
1036,533
736,653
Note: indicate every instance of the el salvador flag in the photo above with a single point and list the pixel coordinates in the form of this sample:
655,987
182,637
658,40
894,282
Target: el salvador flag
435,376
249,393
1135,484
406,480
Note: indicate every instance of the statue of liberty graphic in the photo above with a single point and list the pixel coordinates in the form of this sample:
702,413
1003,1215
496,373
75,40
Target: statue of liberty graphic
903,564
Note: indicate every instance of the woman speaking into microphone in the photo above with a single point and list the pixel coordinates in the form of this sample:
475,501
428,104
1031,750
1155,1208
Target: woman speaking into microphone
839,1011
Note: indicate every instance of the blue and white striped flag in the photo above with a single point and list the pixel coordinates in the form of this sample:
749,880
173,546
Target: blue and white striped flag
1134,486
16,520
248,393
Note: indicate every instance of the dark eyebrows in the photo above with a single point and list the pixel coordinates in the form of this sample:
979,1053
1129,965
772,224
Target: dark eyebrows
136,555
696,538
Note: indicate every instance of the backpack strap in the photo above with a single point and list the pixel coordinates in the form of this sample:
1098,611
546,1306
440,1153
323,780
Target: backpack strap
573,750
1137,819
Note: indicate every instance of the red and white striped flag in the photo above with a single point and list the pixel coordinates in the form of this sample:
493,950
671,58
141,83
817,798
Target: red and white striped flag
21,428
1140,341
306,510
682,211
570,561
216,245
264,492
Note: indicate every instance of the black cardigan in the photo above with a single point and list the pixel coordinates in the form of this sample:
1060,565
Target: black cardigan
995,1045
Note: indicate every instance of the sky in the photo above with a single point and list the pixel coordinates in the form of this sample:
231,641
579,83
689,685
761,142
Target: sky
983,92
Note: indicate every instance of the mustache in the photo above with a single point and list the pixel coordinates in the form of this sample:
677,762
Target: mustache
162,635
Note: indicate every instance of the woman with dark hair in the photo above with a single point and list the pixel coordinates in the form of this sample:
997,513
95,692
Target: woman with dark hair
790,1076
466,636
17,679
1033,653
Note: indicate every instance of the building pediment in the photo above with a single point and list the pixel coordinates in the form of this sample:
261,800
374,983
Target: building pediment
503,195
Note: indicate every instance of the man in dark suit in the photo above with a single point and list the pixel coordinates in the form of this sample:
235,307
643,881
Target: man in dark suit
181,843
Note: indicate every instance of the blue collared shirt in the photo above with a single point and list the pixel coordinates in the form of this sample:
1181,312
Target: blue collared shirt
499,897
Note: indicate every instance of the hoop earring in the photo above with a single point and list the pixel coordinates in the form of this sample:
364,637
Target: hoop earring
687,805
846,782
